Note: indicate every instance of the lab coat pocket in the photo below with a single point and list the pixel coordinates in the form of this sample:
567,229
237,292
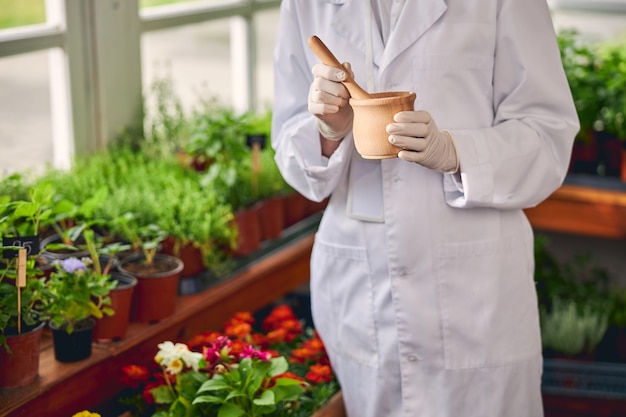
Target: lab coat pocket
488,303
341,301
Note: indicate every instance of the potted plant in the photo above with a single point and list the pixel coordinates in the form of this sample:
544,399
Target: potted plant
571,331
20,323
580,65
111,326
281,370
217,135
230,176
71,299
157,274
200,230
612,106
68,220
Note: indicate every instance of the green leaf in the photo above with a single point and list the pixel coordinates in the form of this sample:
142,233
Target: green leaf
234,394
162,395
287,392
230,410
279,366
214,384
211,399
267,398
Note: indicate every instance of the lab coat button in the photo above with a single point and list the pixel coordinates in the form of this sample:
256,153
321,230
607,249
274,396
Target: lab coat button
403,273
396,179
412,358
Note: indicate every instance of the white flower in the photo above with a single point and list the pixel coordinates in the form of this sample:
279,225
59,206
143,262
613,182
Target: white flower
192,359
175,366
169,353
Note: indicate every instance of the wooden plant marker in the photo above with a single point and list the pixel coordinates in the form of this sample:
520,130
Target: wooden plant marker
256,143
20,283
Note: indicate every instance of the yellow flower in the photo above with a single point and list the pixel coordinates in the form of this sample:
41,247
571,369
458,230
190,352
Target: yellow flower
86,413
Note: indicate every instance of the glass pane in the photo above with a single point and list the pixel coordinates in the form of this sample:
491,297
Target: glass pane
266,23
25,125
21,12
196,58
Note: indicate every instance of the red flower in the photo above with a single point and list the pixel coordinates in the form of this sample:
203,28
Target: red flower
319,373
202,340
278,315
147,395
260,340
134,375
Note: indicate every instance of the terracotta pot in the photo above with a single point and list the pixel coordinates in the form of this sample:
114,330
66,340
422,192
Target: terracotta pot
272,218
21,367
156,292
75,346
190,255
371,117
248,230
112,328
313,207
295,205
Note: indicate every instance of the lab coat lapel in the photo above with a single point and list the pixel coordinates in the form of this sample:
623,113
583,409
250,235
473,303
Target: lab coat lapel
349,22
416,18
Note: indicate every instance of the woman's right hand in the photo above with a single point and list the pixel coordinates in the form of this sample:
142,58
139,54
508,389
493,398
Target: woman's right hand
328,101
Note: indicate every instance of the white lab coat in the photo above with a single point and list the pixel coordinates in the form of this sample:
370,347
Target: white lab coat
433,312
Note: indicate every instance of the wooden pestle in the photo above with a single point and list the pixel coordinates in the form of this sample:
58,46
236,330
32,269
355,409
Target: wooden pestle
327,58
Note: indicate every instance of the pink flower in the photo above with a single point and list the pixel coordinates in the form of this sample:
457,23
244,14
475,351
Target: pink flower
250,352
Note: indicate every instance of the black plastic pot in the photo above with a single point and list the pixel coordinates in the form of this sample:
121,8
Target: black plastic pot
74,346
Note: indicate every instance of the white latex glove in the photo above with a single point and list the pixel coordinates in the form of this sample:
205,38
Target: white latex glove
328,101
422,142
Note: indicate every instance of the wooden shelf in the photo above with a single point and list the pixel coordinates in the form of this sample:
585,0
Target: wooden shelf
582,210
66,388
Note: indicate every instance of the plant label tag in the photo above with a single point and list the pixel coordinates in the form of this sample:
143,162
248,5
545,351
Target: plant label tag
259,140
21,268
30,243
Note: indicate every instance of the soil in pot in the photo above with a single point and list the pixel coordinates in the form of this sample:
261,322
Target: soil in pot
75,346
113,328
62,253
154,297
21,367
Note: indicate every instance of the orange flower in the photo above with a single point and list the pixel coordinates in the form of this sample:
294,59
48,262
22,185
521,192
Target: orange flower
134,375
243,317
237,346
319,373
238,330
303,355
277,336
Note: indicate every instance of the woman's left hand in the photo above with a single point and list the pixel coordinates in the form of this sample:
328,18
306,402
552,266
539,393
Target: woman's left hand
422,142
